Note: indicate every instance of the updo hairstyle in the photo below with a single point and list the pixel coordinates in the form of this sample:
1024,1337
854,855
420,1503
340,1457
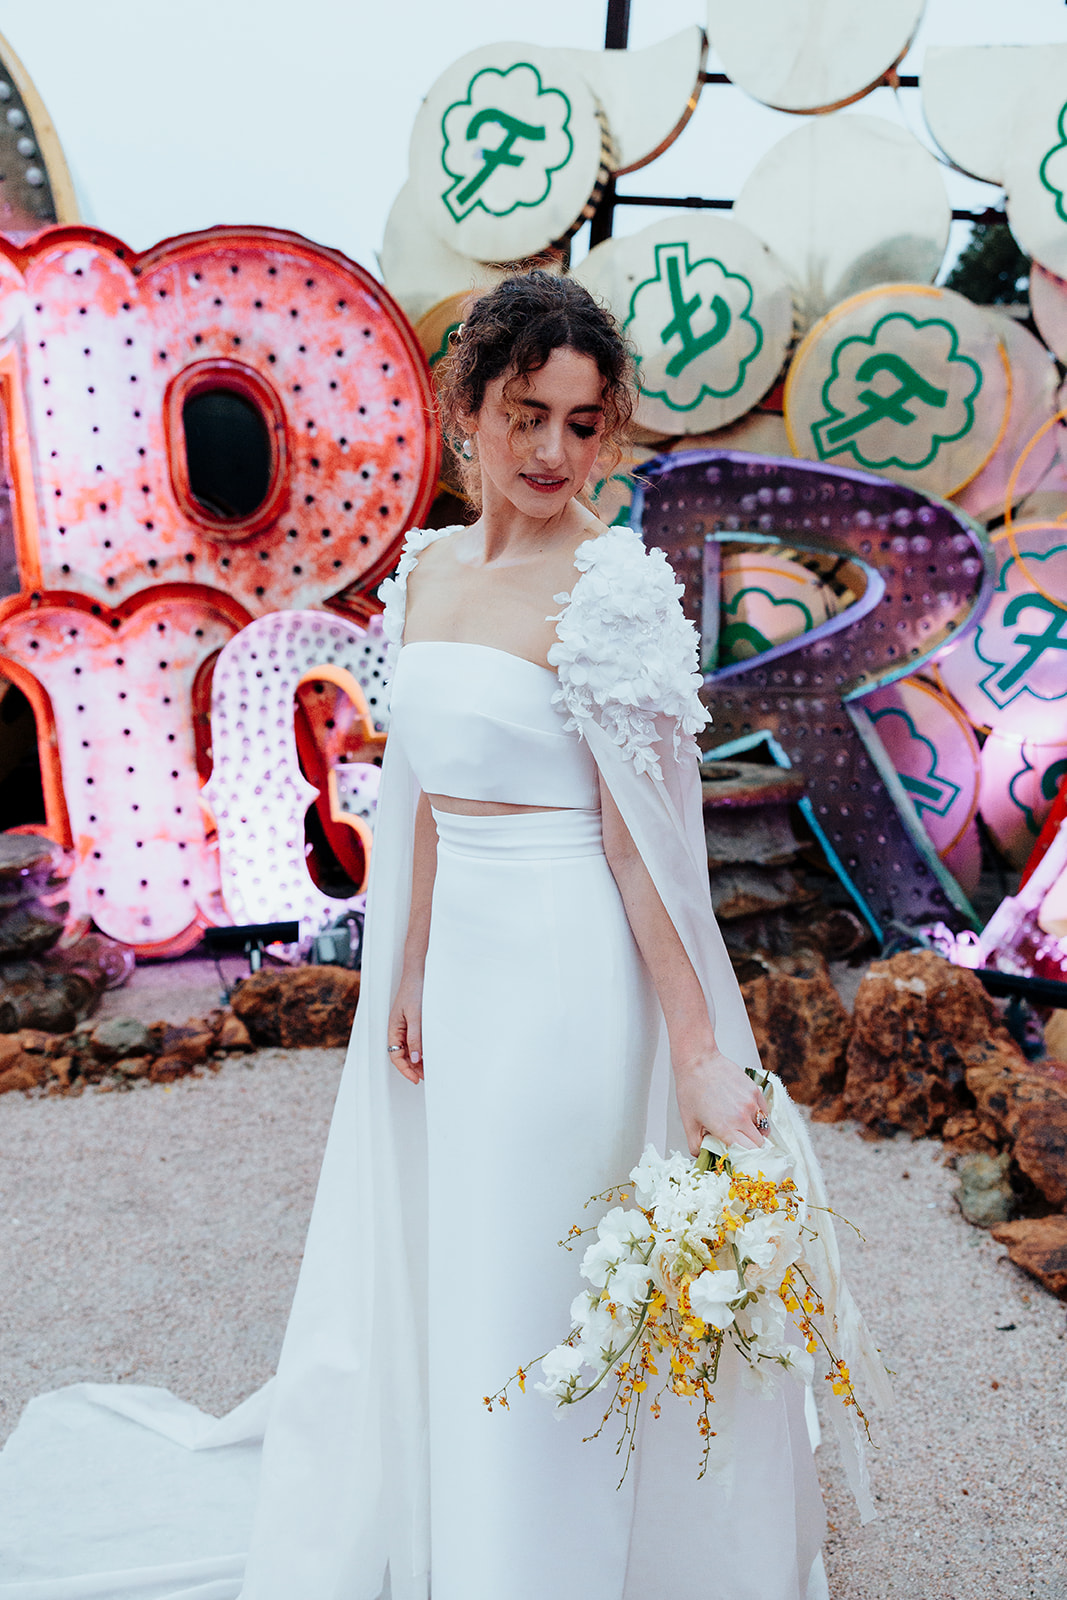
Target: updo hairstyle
514,328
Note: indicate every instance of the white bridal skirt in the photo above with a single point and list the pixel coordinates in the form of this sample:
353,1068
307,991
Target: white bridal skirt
540,1028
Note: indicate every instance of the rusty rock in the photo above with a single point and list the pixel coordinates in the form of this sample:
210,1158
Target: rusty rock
971,1133
734,785
164,1069
800,1024
134,1066
232,1034
1040,1150
1056,1034
190,1042
1039,1246
744,891
25,1072
34,1040
61,1068
10,1048
298,1006
917,1022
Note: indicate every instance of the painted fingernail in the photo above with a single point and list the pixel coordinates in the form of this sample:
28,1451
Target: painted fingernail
415,1056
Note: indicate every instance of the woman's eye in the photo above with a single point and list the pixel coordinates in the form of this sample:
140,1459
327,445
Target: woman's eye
583,430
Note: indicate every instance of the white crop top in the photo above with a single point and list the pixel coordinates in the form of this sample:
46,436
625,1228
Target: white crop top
477,723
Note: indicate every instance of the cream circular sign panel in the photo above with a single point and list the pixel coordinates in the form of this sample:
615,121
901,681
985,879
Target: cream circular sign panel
709,312
907,381
509,152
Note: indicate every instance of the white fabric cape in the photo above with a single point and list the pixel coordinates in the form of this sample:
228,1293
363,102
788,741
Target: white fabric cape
343,1492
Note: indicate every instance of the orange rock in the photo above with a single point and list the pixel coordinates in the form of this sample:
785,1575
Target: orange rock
918,1022
10,1048
1039,1246
801,1026
25,1072
164,1069
298,1006
60,1067
34,1039
232,1034
191,1042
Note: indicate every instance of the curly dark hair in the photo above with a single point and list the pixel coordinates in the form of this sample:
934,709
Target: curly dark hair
512,329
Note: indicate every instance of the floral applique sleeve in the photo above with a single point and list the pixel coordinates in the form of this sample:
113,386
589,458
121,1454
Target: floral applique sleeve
625,652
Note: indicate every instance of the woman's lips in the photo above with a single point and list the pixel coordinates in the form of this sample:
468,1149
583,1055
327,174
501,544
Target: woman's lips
544,485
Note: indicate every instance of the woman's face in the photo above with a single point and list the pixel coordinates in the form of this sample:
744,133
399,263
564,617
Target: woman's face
548,459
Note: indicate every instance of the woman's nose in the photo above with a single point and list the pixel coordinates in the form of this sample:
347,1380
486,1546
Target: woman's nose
550,445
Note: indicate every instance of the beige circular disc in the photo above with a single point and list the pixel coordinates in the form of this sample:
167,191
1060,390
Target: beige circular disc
1033,402
847,202
969,97
417,269
1035,172
1008,672
507,152
761,433
647,95
436,325
810,55
906,381
708,311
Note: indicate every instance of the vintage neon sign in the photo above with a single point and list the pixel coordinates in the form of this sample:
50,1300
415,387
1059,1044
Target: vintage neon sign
257,792
927,574
132,574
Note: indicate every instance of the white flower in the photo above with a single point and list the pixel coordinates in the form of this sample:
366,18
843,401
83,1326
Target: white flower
770,1243
710,1296
629,1285
561,1368
601,1260
626,1227
625,652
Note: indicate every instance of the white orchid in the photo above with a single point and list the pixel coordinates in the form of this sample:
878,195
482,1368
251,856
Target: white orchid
712,1295
561,1368
710,1251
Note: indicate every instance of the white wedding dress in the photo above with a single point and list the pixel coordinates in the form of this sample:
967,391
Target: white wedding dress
431,1268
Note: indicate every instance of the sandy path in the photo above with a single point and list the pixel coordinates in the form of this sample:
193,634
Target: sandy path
154,1236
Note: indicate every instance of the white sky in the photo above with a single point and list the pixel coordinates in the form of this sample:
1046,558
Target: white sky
177,114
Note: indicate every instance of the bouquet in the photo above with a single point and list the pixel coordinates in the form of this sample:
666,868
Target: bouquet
694,1253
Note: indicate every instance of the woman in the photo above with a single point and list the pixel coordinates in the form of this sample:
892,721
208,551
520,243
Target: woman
542,954
540,958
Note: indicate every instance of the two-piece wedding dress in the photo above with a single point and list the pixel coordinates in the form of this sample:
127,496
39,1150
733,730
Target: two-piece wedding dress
431,1268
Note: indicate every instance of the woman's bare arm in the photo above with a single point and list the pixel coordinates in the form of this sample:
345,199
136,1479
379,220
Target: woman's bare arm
715,1095
405,1018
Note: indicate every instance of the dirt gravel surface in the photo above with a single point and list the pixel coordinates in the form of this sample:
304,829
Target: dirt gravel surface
154,1237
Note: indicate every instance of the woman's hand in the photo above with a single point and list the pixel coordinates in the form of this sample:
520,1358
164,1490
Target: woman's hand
405,1028
717,1096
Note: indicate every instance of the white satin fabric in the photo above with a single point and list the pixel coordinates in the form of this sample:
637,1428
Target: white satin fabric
360,1446
480,724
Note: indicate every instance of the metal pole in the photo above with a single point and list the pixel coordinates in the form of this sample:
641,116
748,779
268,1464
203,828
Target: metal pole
616,37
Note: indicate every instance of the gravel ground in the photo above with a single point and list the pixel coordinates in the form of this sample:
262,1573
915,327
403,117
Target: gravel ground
154,1237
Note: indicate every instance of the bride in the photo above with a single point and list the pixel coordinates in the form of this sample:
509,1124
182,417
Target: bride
544,990
546,979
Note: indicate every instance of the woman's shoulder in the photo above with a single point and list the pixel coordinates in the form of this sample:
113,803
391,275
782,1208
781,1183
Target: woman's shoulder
625,652
620,564
393,592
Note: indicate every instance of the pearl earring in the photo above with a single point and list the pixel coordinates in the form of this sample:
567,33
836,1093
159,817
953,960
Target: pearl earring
466,450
